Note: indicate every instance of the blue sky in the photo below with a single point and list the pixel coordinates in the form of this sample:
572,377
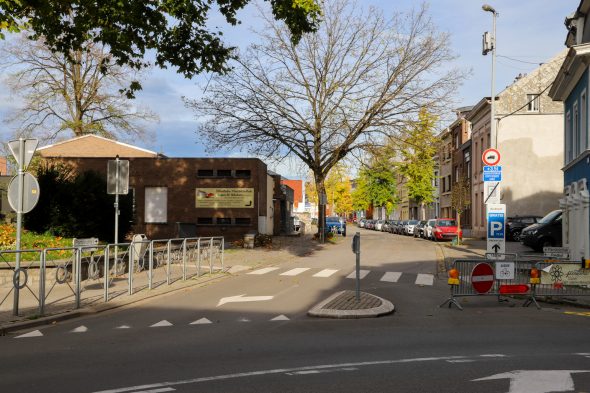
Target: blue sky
528,30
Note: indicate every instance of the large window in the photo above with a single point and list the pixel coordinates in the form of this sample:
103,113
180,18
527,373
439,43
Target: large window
156,204
583,122
532,103
568,137
576,131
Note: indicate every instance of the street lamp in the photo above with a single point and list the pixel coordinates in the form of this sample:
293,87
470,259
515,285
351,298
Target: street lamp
489,45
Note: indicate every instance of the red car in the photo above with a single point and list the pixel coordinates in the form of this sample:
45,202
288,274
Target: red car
444,229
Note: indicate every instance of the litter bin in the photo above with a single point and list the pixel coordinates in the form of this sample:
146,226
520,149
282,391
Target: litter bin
249,240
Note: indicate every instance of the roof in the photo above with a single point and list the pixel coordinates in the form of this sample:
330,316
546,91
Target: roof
94,146
570,72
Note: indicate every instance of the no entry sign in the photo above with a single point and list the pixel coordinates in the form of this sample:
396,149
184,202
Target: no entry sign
482,278
491,157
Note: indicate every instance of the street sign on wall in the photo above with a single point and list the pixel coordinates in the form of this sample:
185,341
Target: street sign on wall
496,218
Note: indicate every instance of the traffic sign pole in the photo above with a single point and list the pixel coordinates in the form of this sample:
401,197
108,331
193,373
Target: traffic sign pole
19,218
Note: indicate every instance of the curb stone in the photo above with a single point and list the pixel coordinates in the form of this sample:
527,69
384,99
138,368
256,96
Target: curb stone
386,307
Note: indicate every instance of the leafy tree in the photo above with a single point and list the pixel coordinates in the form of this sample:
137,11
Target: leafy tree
461,198
417,164
376,186
359,78
178,31
343,198
80,93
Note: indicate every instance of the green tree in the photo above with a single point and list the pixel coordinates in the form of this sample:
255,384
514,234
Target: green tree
178,31
376,185
417,165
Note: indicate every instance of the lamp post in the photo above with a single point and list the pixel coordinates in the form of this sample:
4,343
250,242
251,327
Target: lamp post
489,45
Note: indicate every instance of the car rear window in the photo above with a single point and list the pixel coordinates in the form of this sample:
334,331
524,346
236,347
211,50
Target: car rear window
413,222
333,219
446,223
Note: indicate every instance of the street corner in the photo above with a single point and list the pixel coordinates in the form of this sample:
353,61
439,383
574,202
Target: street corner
344,305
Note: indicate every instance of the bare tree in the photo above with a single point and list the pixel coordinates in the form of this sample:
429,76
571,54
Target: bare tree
82,94
358,79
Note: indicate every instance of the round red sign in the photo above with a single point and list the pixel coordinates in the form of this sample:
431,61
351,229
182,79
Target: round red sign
491,157
482,277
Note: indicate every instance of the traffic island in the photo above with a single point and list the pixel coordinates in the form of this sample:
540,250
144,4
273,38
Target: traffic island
344,305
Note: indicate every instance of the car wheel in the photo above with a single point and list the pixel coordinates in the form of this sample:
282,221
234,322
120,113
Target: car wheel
516,236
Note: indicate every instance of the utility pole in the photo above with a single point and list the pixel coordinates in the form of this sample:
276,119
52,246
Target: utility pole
489,45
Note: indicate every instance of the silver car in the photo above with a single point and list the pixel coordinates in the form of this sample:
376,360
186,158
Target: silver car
409,229
429,228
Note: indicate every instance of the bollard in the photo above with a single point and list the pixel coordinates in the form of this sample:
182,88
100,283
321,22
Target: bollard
356,248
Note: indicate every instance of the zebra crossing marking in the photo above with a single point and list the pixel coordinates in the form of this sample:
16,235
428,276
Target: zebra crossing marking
162,323
295,272
362,274
264,270
34,333
424,279
391,276
325,273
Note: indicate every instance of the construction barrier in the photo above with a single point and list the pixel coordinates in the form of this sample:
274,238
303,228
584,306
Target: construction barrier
530,276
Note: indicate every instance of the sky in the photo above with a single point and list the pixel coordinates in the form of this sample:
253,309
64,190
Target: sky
528,31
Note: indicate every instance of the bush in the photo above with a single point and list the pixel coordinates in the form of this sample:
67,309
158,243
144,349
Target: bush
76,205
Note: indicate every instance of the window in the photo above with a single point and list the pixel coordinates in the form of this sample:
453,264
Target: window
245,173
436,178
583,122
443,185
205,173
532,103
568,137
456,173
224,173
156,204
205,220
243,221
458,140
449,183
576,132
223,220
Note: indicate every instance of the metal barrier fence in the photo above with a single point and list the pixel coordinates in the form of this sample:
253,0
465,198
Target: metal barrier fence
530,276
61,279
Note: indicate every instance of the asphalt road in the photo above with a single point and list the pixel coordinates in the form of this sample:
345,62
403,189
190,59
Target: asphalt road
250,333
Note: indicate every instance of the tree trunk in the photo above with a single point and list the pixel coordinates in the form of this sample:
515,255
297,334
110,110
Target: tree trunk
321,190
459,232
422,211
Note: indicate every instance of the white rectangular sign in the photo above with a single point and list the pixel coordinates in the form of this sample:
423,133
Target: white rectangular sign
505,270
557,252
491,192
496,218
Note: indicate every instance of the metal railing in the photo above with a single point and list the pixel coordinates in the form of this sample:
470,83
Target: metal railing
61,279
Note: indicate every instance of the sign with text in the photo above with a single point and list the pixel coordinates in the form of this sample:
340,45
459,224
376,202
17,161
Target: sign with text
556,252
496,243
565,274
505,270
214,198
492,173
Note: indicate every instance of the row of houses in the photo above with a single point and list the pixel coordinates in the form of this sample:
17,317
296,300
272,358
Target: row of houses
530,139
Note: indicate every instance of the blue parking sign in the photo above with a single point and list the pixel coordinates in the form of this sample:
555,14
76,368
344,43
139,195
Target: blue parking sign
496,225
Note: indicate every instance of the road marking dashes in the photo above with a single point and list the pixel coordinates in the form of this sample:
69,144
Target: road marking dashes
162,323
34,333
162,390
362,274
202,321
123,327
244,320
391,276
425,279
325,273
264,271
281,317
80,329
294,272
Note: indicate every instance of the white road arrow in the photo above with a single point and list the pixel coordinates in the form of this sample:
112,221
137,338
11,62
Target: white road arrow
243,298
537,381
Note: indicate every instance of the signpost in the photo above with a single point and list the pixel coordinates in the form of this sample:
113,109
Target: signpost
492,173
482,278
496,218
491,157
356,248
118,184
23,194
491,192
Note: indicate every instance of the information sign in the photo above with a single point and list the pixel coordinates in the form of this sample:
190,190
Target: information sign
496,217
492,173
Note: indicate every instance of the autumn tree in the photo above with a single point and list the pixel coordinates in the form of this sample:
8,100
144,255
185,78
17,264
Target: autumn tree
179,32
78,94
358,79
461,199
376,184
417,165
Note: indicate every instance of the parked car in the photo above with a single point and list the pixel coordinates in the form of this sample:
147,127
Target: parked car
386,225
429,229
362,222
370,224
515,225
419,229
393,226
409,230
296,223
336,224
545,233
444,229
401,229
379,225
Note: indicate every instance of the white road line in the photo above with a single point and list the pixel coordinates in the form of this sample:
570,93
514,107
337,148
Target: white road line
461,361
391,276
34,333
296,271
325,273
156,390
264,271
80,329
162,323
244,320
425,279
278,371
362,274
492,355
281,317
202,321
123,327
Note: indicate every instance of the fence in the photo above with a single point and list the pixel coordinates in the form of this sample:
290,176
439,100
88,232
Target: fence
61,279
529,276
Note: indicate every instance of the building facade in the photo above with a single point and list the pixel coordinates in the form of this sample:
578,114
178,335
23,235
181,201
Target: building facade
446,169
